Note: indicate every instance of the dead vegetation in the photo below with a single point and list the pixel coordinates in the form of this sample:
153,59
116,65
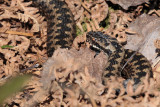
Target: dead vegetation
73,77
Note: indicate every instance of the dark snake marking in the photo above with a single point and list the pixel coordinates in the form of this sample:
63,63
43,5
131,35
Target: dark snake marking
61,33
61,29
139,66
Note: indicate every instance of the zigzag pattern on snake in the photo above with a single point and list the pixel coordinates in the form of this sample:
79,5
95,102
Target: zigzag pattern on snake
61,33
139,66
61,28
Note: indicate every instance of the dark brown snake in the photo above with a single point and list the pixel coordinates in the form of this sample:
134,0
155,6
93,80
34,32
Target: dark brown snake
61,33
61,28
137,68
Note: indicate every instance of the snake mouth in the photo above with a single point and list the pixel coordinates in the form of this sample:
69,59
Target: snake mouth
91,43
95,46
96,42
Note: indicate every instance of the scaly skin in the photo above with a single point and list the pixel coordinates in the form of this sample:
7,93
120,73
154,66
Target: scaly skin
139,65
61,32
109,46
61,28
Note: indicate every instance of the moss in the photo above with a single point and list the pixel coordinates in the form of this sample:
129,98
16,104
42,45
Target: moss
84,26
78,31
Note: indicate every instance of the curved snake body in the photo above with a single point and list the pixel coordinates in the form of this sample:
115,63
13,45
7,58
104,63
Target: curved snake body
60,24
139,65
61,33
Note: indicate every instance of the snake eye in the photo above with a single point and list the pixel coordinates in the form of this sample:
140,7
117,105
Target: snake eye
87,40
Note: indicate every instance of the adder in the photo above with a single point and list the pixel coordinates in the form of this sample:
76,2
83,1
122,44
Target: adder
61,32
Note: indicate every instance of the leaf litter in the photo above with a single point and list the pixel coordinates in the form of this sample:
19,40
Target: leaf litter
73,77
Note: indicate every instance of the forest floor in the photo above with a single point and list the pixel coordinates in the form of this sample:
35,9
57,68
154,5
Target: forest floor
73,77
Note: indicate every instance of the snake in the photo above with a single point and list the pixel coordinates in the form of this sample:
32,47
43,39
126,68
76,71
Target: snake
61,27
61,32
137,68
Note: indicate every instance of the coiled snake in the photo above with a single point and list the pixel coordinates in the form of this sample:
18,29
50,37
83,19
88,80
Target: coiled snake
61,32
139,66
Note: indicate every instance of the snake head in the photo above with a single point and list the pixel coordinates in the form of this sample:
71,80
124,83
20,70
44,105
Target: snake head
101,42
95,39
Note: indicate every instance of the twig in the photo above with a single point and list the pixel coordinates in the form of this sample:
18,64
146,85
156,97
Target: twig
29,68
17,33
85,7
143,41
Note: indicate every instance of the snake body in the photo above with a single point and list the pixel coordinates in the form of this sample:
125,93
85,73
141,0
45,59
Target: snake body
61,33
139,66
61,28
